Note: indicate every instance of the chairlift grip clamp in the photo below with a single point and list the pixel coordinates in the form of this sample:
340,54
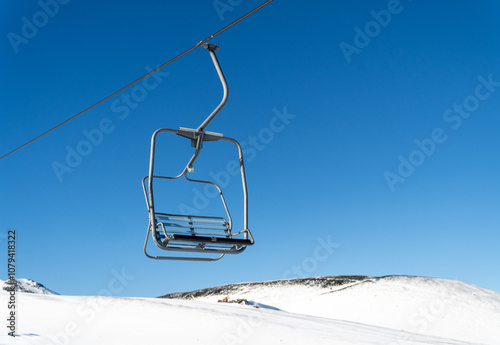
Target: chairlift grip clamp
210,47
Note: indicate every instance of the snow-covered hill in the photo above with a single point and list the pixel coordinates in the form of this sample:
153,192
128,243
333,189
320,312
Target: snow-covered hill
323,310
26,285
429,306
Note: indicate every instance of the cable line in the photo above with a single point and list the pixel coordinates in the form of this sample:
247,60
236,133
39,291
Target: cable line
144,76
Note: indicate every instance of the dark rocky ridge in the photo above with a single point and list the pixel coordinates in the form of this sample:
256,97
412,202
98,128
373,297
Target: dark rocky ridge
229,289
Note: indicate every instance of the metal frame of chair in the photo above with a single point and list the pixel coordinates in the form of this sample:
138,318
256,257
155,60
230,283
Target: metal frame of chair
193,233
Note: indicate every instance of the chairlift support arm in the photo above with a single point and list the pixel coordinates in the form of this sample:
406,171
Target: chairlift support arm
211,49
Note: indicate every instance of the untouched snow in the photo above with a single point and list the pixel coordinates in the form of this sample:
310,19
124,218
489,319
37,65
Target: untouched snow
83,320
290,313
429,306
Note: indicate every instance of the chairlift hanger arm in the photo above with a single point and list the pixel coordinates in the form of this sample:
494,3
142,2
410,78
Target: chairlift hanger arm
199,135
211,49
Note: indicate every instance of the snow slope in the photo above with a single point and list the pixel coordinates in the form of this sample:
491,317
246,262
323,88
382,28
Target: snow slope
83,320
52,319
429,306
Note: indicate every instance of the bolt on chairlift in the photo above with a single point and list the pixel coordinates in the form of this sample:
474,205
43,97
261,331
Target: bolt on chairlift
192,233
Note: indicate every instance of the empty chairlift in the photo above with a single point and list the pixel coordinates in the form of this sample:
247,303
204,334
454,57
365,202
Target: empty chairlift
193,233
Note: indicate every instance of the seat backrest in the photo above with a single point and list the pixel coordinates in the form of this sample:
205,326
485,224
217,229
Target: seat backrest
194,225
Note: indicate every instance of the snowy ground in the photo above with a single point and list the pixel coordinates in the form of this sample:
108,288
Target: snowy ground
388,311
430,306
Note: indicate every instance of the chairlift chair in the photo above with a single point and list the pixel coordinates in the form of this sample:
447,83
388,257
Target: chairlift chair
193,233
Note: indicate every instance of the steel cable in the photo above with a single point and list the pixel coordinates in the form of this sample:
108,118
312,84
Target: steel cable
144,76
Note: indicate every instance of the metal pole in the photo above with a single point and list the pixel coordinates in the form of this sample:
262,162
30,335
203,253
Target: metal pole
211,49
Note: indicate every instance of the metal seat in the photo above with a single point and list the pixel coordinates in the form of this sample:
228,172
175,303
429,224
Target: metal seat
197,231
193,233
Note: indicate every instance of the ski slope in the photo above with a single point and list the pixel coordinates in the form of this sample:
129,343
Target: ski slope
283,312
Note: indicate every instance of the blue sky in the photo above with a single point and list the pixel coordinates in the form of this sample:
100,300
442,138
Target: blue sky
371,133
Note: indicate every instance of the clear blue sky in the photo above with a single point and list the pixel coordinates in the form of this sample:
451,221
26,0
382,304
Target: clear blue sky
392,155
